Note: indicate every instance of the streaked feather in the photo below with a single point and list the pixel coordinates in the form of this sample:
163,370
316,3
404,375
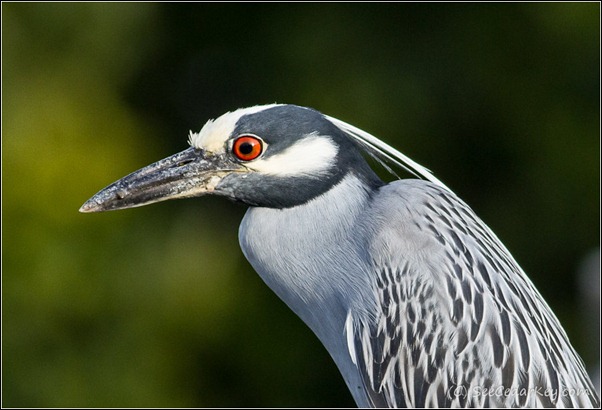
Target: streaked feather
487,327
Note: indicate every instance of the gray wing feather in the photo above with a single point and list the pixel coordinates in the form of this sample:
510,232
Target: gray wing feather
458,323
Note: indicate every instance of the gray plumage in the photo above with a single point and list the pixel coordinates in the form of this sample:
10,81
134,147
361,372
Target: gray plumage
417,301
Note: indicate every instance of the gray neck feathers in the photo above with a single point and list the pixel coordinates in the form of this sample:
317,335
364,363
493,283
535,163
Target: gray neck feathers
310,256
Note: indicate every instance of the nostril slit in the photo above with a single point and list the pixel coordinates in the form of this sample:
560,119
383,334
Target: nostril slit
182,163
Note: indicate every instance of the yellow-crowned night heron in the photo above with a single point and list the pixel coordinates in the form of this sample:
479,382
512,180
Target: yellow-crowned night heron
413,296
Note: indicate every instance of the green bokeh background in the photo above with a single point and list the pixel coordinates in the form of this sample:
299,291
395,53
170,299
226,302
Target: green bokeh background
156,306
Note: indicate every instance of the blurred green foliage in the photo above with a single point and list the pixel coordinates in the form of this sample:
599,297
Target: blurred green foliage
156,306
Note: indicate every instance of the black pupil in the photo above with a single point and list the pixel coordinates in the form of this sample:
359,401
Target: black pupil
245,148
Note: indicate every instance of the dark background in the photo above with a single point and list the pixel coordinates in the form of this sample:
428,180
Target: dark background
156,306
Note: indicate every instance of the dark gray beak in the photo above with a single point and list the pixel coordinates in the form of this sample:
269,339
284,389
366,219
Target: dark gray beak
186,174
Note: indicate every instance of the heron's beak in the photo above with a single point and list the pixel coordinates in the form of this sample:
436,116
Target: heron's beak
186,174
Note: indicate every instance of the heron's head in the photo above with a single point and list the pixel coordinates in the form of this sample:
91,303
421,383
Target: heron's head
273,156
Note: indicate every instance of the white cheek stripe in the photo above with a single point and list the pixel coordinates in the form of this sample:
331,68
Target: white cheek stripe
215,133
313,155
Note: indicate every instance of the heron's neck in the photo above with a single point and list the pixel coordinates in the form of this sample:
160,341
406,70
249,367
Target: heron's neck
309,254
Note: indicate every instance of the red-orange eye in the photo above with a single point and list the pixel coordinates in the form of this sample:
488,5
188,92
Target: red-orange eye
247,147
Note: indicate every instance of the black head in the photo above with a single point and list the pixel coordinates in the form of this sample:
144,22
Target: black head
303,155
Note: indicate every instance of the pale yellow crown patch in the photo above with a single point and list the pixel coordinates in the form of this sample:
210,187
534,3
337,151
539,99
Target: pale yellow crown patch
215,133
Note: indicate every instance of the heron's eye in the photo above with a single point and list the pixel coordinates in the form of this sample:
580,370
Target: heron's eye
247,147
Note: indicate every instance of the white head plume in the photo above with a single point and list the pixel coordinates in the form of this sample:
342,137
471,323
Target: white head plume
384,153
